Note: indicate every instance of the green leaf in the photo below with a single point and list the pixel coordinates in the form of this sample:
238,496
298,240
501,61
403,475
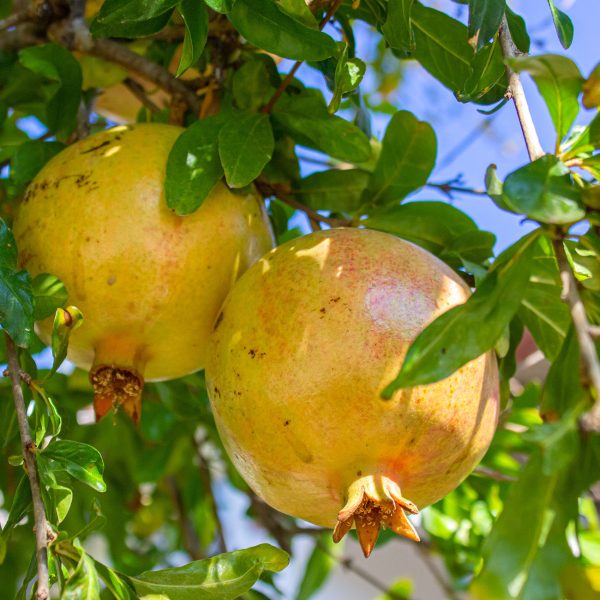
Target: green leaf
222,6
518,30
132,18
543,190
21,505
559,82
265,25
298,10
16,305
29,158
11,137
432,225
255,82
83,584
485,17
222,577
65,322
407,158
400,589
8,247
488,80
563,389
59,66
337,190
81,461
306,119
319,566
49,293
63,498
564,26
441,46
195,17
246,145
397,28
469,330
510,550
348,75
116,583
194,166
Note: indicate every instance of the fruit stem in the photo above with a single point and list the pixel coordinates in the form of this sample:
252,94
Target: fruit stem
375,502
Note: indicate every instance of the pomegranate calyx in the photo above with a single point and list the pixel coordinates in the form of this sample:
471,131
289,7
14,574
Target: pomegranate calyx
375,502
117,387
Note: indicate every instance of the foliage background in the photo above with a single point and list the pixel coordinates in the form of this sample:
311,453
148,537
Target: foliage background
159,478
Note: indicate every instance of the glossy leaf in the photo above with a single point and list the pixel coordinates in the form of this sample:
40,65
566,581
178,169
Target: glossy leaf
264,24
195,17
246,145
485,17
335,190
194,166
298,9
407,158
467,331
543,190
118,585
397,28
307,121
16,305
49,293
132,18
222,6
81,461
563,25
222,577
83,583
348,75
559,81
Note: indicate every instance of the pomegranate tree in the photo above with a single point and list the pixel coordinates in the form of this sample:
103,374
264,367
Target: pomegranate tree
301,351
149,282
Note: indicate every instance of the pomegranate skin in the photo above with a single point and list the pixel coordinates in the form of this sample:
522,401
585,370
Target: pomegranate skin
148,282
304,345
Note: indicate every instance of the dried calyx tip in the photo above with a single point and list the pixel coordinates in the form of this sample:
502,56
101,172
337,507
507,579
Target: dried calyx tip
375,502
117,387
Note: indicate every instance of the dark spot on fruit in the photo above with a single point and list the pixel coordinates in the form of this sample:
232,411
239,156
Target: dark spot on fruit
217,392
218,321
336,299
286,422
111,280
358,473
102,145
252,353
448,471
323,310
412,441
88,238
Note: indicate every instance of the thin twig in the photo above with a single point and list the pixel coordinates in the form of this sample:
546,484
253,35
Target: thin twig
190,540
140,93
516,92
28,445
268,107
448,188
493,474
591,420
15,19
437,574
206,479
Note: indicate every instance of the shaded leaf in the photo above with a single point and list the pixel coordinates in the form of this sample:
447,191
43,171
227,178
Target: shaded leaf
518,30
563,25
246,145
485,17
20,506
16,305
49,293
132,18
8,247
348,75
29,158
337,190
319,566
397,28
65,322
195,17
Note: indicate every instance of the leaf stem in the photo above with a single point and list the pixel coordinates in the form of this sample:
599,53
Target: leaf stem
29,448
585,334
268,107
517,93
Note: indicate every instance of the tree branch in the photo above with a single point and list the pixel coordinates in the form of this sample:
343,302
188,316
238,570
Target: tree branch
267,108
140,93
591,420
28,446
516,92
448,188
15,19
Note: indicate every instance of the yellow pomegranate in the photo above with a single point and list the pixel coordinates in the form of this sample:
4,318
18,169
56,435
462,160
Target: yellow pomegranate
304,345
149,282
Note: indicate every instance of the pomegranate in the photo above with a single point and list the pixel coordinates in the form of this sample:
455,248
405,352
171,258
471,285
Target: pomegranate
301,351
149,282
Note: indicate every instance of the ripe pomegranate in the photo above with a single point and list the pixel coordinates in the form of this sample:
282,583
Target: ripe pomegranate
149,282
304,345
